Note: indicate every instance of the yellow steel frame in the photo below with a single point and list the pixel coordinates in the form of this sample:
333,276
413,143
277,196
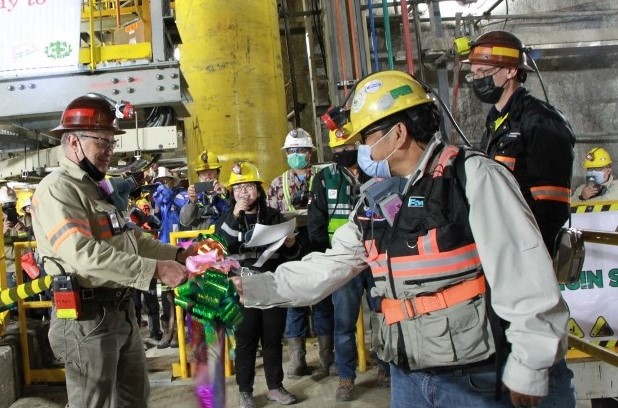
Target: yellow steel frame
181,368
4,316
95,54
42,375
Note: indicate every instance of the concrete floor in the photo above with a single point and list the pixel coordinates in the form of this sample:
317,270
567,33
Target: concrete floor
311,391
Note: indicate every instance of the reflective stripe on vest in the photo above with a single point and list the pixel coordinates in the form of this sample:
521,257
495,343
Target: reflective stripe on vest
339,205
437,253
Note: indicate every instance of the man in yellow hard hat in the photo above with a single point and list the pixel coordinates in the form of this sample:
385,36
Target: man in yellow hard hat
426,226
208,197
334,193
599,185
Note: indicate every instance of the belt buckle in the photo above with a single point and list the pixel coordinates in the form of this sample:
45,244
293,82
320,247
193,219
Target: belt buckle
244,271
87,294
429,303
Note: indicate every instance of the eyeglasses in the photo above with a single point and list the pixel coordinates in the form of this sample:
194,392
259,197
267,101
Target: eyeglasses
302,150
103,143
480,74
247,187
365,134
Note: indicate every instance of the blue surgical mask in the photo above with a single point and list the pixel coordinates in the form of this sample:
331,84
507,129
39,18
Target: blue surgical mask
599,176
297,160
371,167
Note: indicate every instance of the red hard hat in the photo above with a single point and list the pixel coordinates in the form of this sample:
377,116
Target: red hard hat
88,112
500,49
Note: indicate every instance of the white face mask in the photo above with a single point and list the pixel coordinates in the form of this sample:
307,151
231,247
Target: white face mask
372,167
599,176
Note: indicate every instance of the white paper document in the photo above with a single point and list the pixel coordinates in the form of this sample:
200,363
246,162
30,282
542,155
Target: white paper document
272,235
267,234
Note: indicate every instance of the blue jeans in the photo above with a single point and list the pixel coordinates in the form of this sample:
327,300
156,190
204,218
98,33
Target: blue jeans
347,301
445,390
296,321
561,388
472,390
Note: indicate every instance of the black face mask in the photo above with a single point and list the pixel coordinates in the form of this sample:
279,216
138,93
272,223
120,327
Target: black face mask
486,90
346,158
89,167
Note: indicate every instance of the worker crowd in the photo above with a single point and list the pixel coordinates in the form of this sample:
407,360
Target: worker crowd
400,221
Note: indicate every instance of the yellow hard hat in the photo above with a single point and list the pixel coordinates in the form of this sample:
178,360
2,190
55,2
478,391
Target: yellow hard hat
341,136
244,172
382,94
207,160
597,157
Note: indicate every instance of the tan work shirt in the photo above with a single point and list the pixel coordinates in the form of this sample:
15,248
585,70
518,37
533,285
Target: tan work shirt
74,224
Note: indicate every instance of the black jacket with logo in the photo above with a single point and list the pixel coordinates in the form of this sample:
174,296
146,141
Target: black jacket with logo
535,141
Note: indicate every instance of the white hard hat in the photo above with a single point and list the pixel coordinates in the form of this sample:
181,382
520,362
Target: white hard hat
27,202
7,195
298,138
164,172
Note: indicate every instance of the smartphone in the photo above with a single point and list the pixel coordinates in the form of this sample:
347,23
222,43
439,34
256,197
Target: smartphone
204,187
590,181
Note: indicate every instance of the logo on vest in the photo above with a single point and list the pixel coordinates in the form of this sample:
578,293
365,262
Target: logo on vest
416,202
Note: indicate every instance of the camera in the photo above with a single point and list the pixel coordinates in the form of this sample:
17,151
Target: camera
11,214
204,187
300,199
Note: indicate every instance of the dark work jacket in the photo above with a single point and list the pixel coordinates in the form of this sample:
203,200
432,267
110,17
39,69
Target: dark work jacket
535,141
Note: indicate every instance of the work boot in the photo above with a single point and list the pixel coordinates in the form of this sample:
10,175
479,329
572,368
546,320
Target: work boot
167,335
174,340
281,395
246,400
344,389
154,327
384,377
327,367
298,364
172,323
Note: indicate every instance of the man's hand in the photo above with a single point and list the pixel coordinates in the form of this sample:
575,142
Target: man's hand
219,188
590,190
237,281
523,400
289,241
171,273
187,252
192,194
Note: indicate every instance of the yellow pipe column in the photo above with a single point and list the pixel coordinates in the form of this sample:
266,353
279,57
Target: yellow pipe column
231,58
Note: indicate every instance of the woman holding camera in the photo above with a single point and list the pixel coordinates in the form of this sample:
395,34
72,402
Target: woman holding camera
265,326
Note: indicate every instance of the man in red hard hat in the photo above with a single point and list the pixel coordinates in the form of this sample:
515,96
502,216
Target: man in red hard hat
97,264
535,141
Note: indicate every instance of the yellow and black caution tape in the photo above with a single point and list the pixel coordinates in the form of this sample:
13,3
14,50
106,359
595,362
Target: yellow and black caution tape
601,206
23,291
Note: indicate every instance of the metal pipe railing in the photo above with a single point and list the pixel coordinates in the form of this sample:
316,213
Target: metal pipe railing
606,355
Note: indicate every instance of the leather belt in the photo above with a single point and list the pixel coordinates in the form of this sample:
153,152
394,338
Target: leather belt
396,310
106,294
